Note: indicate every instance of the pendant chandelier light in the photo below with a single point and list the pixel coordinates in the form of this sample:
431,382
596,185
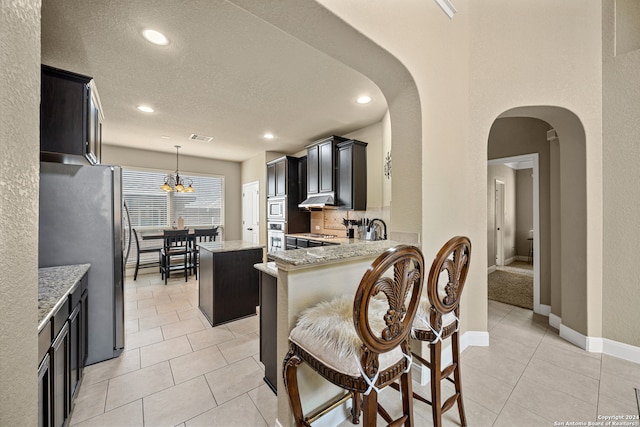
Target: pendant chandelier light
173,182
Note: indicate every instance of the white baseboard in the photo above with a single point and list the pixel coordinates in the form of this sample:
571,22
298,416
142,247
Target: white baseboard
491,269
543,309
474,339
510,260
278,423
522,258
554,321
598,344
573,337
621,350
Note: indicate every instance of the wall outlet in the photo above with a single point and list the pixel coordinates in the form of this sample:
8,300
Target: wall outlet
317,227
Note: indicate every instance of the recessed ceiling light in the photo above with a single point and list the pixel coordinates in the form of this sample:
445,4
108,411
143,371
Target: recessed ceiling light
268,135
145,108
364,99
155,37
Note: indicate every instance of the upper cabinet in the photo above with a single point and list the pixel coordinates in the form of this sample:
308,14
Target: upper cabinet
70,118
321,165
282,177
351,176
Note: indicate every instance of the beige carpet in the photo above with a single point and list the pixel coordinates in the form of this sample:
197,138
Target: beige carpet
511,288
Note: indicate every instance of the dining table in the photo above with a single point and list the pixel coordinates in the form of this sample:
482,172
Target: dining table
159,234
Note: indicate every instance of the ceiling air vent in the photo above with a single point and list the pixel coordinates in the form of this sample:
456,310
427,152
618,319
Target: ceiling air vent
200,138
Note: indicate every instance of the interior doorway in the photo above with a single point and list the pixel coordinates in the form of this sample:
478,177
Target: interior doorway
251,212
522,161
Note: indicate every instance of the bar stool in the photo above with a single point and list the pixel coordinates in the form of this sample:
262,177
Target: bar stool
361,344
438,318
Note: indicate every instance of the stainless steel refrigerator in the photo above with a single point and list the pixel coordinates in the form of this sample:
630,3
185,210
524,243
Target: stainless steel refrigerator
81,222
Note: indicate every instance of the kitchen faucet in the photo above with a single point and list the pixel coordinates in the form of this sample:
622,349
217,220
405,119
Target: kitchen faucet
384,236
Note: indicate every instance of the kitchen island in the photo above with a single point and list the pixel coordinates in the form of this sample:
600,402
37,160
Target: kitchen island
306,277
228,283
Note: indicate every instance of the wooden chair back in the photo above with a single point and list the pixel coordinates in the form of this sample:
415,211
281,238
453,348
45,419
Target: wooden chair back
398,275
205,234
451,264
176,239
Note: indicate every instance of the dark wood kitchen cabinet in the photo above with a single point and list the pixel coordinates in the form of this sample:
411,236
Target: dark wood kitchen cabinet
283,177
271,179
70,118
62,351
284,180
60,377
77,338
351,175
280,176
321,164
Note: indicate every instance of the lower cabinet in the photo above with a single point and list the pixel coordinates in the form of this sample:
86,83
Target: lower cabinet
78,345
60,377
62,348
299,242
44,392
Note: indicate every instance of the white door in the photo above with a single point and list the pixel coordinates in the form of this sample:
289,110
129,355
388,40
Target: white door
251,212
499,223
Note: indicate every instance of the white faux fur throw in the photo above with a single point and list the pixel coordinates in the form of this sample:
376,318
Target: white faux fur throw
331,322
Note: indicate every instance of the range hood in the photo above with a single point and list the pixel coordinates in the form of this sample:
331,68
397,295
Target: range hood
317,201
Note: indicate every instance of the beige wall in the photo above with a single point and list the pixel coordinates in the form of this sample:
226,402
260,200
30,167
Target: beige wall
508,176
621,157
524,210
155,160
19,171
555,218
550,55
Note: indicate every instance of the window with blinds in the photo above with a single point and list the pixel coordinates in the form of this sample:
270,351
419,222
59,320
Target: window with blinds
151,207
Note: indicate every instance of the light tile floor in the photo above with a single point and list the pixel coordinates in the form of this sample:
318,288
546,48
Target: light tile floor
179,371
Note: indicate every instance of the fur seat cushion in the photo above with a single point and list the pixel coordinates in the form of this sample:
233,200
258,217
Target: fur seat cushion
327,332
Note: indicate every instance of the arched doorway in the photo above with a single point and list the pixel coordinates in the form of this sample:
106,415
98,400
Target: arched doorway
564,285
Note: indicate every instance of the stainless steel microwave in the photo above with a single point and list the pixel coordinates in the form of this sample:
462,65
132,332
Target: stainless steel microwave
276,209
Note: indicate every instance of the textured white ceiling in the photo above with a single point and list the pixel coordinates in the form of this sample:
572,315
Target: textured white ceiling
225,74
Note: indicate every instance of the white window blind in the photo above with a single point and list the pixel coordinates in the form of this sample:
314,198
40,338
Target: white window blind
151,207
148,204
205,207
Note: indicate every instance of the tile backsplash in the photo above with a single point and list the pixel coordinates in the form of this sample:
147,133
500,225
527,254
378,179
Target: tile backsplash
329,220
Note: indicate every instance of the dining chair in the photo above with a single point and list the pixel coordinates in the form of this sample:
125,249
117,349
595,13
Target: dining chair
362,343
145,250
437,319
176,244
201,235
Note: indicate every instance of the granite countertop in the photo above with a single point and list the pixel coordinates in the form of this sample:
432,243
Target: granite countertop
267,267
309,257
229,246
54,285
